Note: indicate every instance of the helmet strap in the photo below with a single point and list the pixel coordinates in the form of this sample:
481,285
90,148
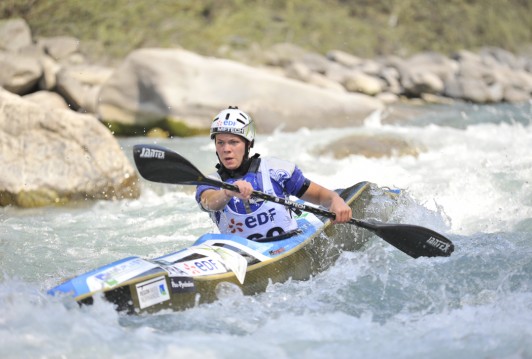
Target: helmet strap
248,147
239,172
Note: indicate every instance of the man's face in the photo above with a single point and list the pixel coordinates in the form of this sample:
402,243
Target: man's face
230,149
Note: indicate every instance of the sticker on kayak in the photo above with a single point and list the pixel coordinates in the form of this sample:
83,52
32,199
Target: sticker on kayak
182,285
174,271
232,260
152,292
202,266
119,273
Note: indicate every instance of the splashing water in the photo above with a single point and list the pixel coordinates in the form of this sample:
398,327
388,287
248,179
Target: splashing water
471,182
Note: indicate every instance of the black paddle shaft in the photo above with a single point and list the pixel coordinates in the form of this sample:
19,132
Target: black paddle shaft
159,164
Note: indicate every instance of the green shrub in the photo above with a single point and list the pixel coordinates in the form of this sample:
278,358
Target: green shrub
367,28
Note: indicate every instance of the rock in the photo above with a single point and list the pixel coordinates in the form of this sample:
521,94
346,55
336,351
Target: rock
324,82
373,146
49,66
157,132
490,55
20,74
418,83
358,81
472,81
515,95
90,75
60,48
54,156
47,99
436,99
298,71
426,73
484,79
370,67
388,97
390,75
154,84
474,68
15,34
435,63
50,69
337,73
527,64
80,85
473,89
344,58
316,62
517,85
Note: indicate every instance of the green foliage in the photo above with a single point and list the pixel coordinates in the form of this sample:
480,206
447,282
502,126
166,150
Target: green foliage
364,27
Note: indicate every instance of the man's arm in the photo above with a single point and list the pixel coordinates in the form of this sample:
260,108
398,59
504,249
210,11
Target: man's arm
328,199
216,200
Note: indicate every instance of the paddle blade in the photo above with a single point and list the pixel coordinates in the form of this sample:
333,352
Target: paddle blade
414,240
158,164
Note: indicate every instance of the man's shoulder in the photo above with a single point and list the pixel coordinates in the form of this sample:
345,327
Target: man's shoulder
279,170
274,162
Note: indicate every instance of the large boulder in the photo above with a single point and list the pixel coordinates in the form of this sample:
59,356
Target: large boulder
156,84
51,156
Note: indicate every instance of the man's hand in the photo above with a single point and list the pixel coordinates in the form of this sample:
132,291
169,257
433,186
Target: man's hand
341,209
245,190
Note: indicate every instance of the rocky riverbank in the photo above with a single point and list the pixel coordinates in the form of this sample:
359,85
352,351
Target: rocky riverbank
49,153
68,104
285,86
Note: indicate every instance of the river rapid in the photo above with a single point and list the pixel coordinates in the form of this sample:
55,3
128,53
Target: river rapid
471,182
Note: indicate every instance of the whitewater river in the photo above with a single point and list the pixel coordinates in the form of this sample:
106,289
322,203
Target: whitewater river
471,182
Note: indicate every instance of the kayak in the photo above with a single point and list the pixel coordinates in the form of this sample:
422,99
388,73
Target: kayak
194,275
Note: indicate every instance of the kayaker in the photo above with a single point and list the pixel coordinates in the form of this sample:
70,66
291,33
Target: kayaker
233,132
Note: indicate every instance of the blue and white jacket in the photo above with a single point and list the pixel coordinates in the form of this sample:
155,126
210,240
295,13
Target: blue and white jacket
258,218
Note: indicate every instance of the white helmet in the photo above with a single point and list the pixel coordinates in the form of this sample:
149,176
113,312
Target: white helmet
234,121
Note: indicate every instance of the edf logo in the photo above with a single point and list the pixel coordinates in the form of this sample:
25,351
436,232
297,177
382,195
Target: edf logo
260,219
229,123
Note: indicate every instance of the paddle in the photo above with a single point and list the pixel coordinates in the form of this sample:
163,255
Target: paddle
158,164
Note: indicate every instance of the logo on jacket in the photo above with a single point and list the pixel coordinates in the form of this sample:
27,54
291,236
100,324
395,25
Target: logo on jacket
235,226
279,175
261,218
